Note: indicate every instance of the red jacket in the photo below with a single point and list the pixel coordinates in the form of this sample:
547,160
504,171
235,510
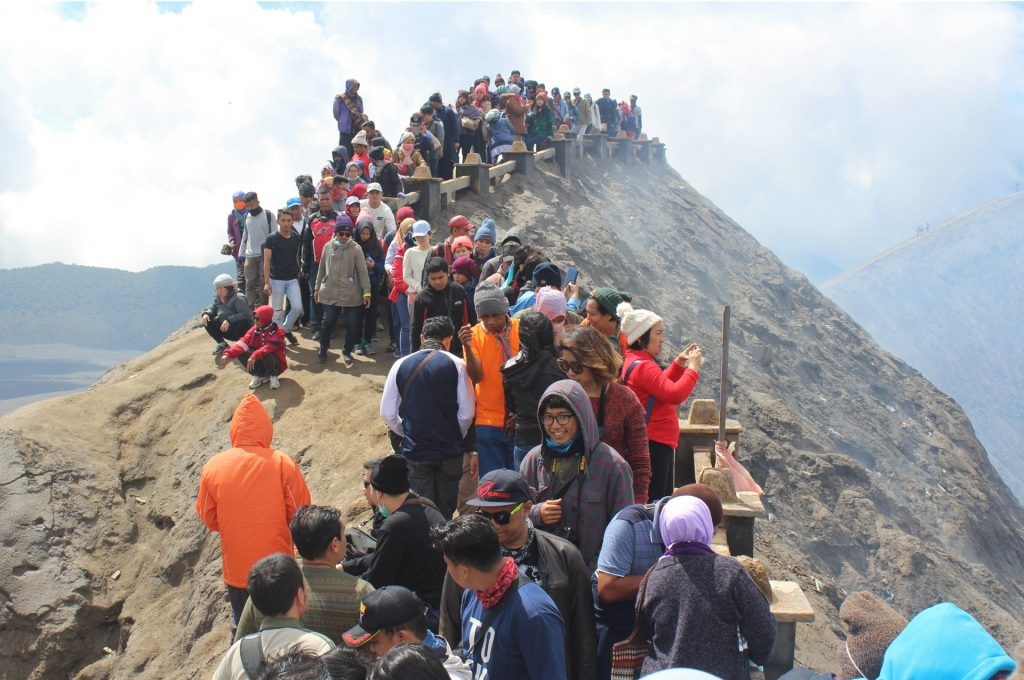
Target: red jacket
250,493
323,231
670,388
399,286
261,342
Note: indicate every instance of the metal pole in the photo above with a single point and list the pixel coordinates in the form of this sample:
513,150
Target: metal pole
724,396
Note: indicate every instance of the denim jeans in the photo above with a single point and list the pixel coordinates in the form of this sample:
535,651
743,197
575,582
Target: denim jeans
279,290
495,449
404,339
353,326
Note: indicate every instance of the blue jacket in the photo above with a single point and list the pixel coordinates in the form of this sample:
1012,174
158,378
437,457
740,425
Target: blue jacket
501,132
341,112
944,643
526,640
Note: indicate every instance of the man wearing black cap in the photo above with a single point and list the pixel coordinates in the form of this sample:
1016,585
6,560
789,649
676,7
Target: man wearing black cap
393,616
505,498
404,554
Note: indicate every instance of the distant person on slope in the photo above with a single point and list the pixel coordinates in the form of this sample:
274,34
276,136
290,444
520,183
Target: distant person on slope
236,231
609,111
638,115
281,253
249,494
228,317
661,391
261,350
348,111
259,224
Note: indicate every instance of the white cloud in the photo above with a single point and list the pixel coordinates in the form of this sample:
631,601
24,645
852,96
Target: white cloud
827,131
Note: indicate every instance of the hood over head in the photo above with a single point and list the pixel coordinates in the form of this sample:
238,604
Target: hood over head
251,426
579,402
944,643
349,84
685,519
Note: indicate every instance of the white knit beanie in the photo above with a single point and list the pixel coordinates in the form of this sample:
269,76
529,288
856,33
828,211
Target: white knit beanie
635,322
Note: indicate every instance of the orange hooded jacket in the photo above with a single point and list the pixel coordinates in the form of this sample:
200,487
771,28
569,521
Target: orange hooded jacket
250,493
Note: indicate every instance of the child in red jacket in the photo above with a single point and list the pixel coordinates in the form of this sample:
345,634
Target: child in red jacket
261,350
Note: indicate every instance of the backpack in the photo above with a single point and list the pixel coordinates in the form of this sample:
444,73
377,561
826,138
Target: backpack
650,398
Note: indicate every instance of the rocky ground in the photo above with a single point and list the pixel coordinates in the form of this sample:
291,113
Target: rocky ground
873,478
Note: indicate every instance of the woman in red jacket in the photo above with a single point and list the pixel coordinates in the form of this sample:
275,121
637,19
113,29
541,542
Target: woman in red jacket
661,391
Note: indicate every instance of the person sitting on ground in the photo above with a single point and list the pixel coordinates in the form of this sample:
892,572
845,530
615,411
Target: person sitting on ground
332,596
249,485
385,173
487,345
540,122
511,629
404,554
276,588
342,287
228,316
281,254
415,258
440,297
428,402
697,605
394,616
525,378
407,157
602,316
505,498
660,391
632,545
412,662
261,350
377,211
367,239
581,481
587,358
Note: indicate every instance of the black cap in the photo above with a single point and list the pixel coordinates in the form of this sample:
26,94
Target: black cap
250,196
501,487
415,119
392,475
386,607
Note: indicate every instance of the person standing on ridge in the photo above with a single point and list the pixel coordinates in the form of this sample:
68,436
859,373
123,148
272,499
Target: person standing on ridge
319,234
638,115
248,494
259,224
609,111
236,228
348,111
440,297
342,287
281,253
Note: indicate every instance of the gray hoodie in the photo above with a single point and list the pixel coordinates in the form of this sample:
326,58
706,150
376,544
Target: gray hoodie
604,487
342,279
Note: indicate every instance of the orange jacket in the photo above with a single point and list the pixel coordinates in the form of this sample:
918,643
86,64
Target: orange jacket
490,392
249,494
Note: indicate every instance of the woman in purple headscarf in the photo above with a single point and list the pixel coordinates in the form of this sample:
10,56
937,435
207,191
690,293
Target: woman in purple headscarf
702,610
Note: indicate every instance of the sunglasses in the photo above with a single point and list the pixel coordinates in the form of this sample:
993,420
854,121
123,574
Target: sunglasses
566,366
503,517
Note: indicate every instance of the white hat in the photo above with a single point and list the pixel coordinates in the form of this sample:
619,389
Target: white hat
421,228
352,200
373,186
635,322
223,281
360,138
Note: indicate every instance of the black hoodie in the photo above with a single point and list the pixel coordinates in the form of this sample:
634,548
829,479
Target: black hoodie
528,374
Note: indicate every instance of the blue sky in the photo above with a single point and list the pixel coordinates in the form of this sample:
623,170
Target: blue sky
827,131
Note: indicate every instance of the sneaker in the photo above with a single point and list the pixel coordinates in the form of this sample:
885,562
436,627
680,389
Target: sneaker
321,357
369,350
221,346
359,350
274,382
292,340
349,361
256,382
390,347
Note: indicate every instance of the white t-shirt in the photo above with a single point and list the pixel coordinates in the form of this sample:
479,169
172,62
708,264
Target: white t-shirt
383,218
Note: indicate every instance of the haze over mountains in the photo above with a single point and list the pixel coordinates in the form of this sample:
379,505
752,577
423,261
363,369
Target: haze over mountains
951,304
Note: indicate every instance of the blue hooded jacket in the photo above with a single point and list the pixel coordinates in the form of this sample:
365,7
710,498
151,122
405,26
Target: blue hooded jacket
944,643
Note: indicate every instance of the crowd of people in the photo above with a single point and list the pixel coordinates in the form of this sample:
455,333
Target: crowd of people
527,519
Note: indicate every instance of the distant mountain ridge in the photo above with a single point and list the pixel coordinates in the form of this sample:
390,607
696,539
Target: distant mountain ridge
103,308
951,303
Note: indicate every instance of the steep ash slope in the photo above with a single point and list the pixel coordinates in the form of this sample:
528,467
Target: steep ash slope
874,478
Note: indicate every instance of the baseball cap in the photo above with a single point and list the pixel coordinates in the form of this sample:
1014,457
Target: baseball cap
386,607
293,202
352,200
373,186
421,228
501,487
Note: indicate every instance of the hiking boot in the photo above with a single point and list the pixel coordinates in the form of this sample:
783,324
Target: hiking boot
274,382
321,357
369,350
349,361
359,350
219,349
292,340
256,382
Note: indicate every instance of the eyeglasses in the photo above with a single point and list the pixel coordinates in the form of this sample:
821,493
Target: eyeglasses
560,418
503,517
566,366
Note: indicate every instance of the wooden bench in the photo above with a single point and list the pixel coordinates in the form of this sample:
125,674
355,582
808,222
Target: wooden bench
791,607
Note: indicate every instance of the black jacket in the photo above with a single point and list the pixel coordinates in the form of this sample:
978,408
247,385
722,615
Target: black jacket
232,310
390,182
450,302
565,579
404,554
528,374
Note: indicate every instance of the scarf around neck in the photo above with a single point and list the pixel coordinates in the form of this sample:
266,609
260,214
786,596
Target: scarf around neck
525,554
687,548
492,596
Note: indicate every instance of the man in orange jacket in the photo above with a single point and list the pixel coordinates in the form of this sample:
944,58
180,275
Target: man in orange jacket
249,494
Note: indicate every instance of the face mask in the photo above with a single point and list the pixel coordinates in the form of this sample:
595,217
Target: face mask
559,449
384,512
407,148
239,206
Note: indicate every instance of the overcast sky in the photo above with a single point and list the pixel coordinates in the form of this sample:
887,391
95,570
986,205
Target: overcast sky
827,131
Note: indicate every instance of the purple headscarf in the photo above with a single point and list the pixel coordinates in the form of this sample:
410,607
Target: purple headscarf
685,526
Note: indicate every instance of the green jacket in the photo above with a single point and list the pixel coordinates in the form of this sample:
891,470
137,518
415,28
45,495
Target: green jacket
541,123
